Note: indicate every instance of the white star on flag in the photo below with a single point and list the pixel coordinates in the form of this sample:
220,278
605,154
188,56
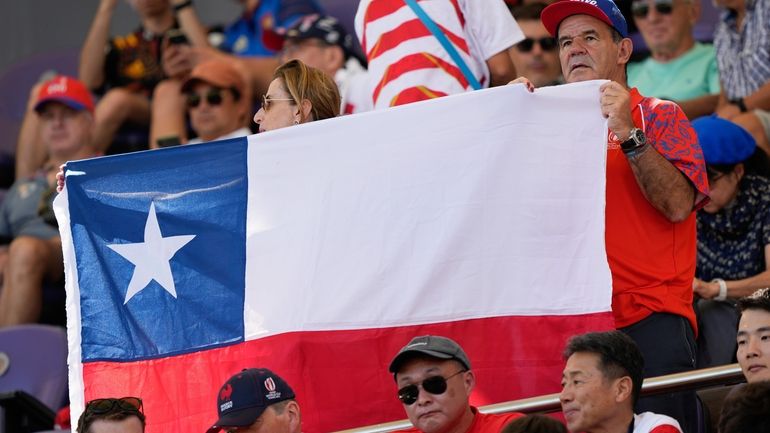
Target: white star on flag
151,257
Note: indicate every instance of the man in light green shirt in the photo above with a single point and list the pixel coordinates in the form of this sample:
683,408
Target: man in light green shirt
678,68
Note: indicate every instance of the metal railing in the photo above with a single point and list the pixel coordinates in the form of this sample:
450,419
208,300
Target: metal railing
697,379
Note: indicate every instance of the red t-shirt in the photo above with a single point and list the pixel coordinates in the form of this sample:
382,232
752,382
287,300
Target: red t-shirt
482,422
652,259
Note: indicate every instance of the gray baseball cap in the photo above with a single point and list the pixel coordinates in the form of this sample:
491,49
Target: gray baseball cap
433,346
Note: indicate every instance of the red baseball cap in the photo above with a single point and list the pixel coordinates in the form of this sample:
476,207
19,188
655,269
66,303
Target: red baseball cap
66,90
603,10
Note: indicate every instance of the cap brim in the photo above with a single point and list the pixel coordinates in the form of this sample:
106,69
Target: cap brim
239,418
557,12
403,356
75,105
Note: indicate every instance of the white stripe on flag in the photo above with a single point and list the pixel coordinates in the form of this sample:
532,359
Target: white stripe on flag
485,204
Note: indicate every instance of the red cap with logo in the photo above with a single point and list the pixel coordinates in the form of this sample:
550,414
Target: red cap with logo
66,90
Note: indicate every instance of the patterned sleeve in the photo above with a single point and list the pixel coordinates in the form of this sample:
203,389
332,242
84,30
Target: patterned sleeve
766,217
672,135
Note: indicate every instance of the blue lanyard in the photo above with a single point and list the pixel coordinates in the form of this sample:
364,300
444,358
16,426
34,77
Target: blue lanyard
450,49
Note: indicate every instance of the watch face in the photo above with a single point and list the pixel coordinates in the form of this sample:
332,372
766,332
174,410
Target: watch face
638,137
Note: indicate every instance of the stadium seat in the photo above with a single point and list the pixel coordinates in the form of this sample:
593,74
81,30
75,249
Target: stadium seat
37,363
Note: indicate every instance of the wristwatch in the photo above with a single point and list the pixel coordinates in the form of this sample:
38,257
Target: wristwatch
636,140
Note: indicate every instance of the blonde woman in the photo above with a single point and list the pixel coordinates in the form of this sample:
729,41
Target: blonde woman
297,94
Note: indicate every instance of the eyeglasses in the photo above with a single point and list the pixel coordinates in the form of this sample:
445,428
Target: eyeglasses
213,97
546,44
641,9
105,405
267,101
434,385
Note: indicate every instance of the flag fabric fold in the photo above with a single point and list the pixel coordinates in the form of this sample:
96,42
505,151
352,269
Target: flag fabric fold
319,250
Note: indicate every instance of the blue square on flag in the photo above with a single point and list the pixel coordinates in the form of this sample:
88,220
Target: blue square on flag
161,263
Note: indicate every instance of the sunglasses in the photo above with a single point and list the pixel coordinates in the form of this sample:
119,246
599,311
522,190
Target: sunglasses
267,101
435,385
213,97
641,9
546,44
106,405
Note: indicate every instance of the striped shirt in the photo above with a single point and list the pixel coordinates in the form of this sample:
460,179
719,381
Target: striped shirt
743,55
408,64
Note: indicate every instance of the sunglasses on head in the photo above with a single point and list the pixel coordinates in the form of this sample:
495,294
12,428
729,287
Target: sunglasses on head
213,97
106,405
641,9
434,385
546,44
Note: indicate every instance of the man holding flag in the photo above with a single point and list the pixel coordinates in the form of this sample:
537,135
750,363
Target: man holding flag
656,178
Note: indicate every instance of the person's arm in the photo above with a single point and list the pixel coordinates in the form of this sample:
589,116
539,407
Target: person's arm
663,185
759,99
190,23
92,58
736,288
700,106
30,151
501,69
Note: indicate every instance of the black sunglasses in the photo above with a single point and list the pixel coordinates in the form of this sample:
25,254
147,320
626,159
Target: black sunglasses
641,9
546,44
106,405
434,385
213,97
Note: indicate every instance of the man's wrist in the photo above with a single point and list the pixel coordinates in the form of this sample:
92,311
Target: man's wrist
740,103
722,295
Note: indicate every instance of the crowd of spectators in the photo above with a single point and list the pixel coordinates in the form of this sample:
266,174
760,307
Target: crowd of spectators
687,216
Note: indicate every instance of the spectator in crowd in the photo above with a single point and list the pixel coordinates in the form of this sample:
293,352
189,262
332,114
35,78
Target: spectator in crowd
216,104
248,44
754,336
537,56
435,381
256,400
678,69
407,63
733,234
131,68
746,410
34,254
322,42
297,94
656,178
601,383
110,415
742,43
535,424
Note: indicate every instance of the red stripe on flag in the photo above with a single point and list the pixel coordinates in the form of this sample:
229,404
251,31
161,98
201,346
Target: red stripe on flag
415,62
341,377
412,30
414,94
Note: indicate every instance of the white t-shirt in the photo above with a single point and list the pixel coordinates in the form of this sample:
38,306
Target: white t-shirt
353,82
408,64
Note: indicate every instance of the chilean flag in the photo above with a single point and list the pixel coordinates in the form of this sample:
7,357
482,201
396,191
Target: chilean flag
319,250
